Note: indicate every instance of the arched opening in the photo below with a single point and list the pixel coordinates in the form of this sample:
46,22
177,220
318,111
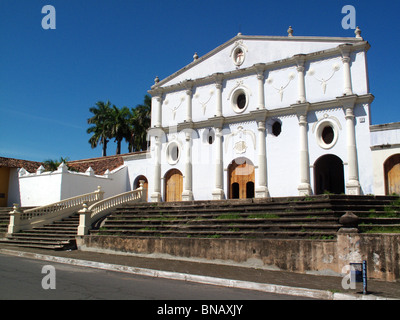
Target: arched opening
235,190
173,185
328,175
250,190
136,184
241,179
392,174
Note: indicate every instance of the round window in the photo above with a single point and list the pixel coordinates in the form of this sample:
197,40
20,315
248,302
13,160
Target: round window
173,152
327,134
239,101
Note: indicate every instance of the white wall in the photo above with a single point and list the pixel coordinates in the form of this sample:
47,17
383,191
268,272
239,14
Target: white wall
385,142
49,187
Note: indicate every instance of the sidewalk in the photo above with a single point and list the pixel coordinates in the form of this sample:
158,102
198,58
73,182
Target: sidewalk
320,287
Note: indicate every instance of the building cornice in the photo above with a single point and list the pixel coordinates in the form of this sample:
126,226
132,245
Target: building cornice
384,127
262,114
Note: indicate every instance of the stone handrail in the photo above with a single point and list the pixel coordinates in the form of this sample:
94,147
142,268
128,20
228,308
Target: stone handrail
63,205
36,217
89,215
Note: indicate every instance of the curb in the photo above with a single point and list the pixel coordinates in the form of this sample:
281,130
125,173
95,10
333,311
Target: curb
238,284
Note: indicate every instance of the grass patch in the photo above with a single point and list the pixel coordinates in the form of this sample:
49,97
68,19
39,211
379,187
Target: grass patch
214,236
229,216
263,216
365,229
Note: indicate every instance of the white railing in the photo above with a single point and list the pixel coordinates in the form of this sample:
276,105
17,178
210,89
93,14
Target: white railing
36,217
89,215
71,203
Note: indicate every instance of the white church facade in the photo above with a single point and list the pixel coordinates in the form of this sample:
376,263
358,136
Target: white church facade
263,117
266,116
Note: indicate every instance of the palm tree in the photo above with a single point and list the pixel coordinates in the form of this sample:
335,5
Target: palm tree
119,125
52,165
101,128
139,121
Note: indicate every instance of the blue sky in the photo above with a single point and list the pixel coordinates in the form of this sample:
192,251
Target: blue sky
113,49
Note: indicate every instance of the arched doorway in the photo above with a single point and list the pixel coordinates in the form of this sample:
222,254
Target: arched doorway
136,184
241,179
328,175
392,174
173,185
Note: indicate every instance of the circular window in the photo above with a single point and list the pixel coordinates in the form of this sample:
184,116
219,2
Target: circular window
173,152
276,128
239,101
327,134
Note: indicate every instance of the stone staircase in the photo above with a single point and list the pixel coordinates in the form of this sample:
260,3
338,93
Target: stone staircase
315,217
59,235
4,220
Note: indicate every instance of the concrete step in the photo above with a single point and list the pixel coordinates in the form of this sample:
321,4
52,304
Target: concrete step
58,235
276,217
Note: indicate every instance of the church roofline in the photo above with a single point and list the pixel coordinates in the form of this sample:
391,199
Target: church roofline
355,43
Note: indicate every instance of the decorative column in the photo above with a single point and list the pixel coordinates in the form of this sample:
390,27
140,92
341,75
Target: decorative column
262,189
304,186
187,194
156,195
260,68
218,86
352,185
156,114
300,59
218,193
188,85
345,49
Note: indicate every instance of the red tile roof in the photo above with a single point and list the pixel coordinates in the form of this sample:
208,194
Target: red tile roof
30,166
99,165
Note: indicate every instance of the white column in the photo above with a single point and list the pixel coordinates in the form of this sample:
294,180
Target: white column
218,193
304,186
156,195
260,68
353,185
348,90
157,111
300,59
262,189
187,194
218,86
188,85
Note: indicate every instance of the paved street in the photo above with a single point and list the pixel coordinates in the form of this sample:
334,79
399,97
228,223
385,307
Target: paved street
21,278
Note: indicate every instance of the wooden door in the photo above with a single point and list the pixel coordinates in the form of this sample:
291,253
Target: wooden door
241,180
392,174
173,185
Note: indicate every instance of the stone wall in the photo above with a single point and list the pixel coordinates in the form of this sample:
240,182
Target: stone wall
327,257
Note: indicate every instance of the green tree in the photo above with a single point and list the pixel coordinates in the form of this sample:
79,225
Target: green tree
52,165
102,125
139,122
119,125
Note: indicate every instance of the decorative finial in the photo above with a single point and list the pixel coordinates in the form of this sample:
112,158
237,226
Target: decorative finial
195,56
239,34
157,79
358,33
290,31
